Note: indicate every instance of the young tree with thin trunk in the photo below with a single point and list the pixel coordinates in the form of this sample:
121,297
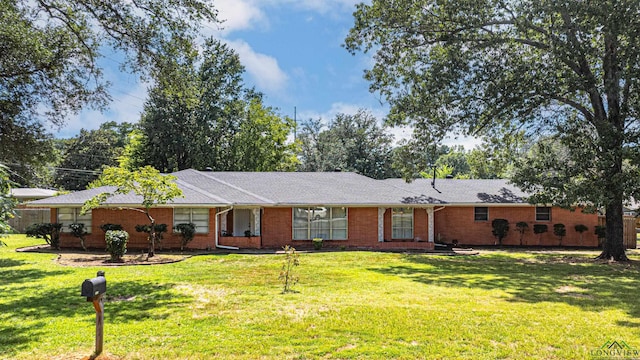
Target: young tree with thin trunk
569,70
148,183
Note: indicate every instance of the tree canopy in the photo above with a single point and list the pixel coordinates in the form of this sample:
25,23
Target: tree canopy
350,143
200,115
568,70
152,187
49,66
7,202
85,155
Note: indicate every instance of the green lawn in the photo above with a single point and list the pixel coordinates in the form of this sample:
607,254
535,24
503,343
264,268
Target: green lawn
349,305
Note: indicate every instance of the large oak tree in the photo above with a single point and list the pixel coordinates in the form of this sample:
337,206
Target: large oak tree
50,52
350,143
201,115
566,69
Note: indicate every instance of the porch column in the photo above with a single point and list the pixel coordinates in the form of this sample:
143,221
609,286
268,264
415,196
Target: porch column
381,211
256,221
430,224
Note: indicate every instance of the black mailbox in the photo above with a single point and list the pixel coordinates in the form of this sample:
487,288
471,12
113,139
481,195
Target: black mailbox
94,287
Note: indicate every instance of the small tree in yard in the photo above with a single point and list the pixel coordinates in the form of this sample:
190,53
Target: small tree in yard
522,227
286,275
116,244
50,232
560,231
580,228
187,233
540,229
78,230
147,183
500,229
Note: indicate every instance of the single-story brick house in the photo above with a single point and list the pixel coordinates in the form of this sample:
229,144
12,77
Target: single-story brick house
272,209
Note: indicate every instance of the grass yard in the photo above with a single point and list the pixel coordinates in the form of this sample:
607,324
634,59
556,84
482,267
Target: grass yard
349,305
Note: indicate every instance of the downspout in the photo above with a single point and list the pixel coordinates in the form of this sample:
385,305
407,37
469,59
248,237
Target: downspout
218,232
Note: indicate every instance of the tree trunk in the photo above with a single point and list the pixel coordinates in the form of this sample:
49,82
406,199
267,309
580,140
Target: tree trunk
152,239
613,247
152,235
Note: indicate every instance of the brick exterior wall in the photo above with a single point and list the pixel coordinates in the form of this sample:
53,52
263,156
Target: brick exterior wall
137,241
362,227
451,223
457,223
243,242
277,226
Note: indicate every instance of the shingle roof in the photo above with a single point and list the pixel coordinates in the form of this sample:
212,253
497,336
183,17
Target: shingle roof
458,191
312,188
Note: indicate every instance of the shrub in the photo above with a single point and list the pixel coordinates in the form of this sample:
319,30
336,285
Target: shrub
187,233
601,232
286,275
500,229
317,243
580,228
540,229
78,230
107,227
50,232
116,243
522,227
160,229
560,231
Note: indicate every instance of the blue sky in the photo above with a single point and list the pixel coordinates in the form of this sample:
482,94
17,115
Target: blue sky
292,53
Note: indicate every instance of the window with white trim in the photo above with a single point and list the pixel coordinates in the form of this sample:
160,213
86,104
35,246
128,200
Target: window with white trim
402,223
67,216
543,213
481,213
320,222
198,216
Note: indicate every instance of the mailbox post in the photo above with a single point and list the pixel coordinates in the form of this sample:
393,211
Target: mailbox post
94,290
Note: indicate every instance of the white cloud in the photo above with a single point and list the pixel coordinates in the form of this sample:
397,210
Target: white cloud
263,69
320,6
239,15
249,14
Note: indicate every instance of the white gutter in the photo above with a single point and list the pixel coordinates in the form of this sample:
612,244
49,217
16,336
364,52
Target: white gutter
218,233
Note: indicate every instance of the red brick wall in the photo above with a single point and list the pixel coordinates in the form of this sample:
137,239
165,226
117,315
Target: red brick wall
243,242
277,227
420,224
457,223
362,228
451,223
129,219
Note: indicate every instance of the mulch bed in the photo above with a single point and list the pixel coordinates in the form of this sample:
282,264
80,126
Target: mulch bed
95,258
